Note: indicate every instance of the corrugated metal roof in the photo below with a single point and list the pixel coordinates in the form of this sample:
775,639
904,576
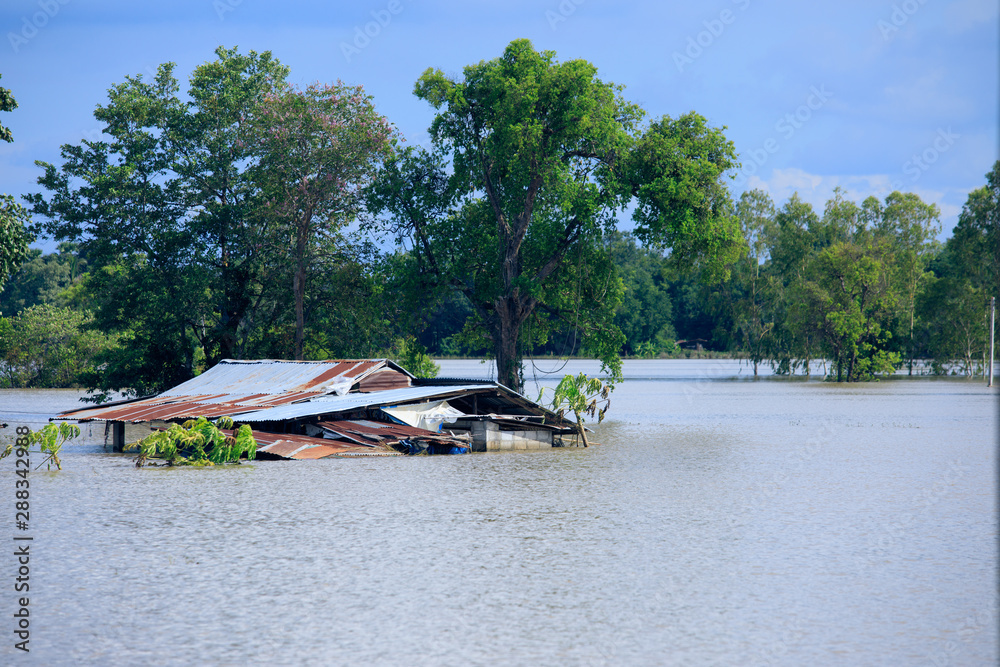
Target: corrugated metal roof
184,407
272,376
288,446
277,391
334,404
363,432
233,387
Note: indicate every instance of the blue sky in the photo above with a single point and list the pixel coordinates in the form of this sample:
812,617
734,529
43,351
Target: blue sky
870,95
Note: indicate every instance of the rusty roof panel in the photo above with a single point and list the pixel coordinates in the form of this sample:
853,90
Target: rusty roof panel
334,404
376,430
233,387
184,407
277,376
305,447
277,391
318,452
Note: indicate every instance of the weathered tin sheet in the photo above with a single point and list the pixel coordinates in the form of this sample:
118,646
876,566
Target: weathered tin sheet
334,404
234,387
273,376
183,407
305,447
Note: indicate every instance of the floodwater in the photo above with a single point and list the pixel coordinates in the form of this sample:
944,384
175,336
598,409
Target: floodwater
722,521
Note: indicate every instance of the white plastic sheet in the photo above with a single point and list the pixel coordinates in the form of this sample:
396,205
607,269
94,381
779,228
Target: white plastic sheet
428,416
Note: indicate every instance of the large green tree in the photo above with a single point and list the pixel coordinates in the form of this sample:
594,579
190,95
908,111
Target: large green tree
849,295
532,161
975,243
166,208
753,290
909,227
321,146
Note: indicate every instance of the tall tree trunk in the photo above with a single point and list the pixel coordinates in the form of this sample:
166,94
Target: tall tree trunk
299,289
302,231
506,339
910,346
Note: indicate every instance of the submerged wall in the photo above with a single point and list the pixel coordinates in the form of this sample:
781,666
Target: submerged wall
121,433
487,436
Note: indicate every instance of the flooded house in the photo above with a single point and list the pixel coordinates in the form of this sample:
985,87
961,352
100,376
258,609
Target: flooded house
337,408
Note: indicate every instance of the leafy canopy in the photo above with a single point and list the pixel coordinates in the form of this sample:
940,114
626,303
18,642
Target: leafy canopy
532,161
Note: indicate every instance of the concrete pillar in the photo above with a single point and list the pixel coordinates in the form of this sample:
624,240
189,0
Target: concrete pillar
117,436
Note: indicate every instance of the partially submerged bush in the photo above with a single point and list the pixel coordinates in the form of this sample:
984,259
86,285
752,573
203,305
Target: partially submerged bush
196,442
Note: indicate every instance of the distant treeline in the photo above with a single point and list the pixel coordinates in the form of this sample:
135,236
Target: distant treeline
867,286
248,218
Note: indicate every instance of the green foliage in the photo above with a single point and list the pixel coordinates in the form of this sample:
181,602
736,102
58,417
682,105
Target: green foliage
753,295
7,103
849,297
47,346
197,442
645,314
14,237
582,396
841,286
532,160
166,210
53,278
675,170
411,355
50,439
321,147
975,245
954,321
185,208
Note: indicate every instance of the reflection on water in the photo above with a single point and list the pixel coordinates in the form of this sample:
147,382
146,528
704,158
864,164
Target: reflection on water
720,522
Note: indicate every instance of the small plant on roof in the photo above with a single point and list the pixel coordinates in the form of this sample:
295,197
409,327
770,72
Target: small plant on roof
50,439
582,395
197,442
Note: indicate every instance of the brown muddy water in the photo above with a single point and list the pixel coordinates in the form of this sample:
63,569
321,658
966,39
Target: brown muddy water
722,521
